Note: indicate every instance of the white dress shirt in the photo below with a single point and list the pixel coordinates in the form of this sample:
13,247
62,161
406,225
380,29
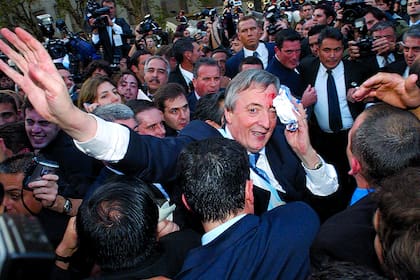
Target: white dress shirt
321,106
115,27
262,53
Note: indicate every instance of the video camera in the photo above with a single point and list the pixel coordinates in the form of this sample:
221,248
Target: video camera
94,10
25,251
148,24
273,15
353,11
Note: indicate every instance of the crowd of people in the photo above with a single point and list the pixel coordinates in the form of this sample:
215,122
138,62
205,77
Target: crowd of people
178,162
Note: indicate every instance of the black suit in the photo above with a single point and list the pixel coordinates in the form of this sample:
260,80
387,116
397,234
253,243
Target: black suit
109,48
397,67
332,146
372,63
177,77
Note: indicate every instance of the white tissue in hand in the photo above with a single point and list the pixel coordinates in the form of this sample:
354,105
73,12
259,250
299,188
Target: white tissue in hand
285,110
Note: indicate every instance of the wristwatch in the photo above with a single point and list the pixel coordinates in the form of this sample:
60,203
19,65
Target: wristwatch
67,206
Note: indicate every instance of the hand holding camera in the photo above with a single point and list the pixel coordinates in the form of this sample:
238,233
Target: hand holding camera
42,181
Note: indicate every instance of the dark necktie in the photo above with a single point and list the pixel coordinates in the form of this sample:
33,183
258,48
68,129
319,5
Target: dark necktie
253,158
255,54
334,113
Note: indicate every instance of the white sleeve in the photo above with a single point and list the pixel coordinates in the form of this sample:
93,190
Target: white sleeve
322,181
110,142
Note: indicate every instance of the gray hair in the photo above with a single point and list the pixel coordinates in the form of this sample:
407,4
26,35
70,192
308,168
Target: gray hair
245,80
113,112
146,64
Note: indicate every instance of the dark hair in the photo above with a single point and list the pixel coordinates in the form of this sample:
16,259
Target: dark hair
413,32
169,91
208,61
134,59
330,33
181,46
212,182
399,223
376,12
27,105
108,1
251,60
316,29
220,50
97,64
328,10
381,25
387,141
117,77
210,107
140,105
20,163
343,270
286,35
117,225
5,97
14,136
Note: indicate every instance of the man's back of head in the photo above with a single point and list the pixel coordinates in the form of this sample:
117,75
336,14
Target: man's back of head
397,224
387,140
213,174
117,225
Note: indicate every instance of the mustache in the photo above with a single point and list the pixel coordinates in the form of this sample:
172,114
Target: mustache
154,80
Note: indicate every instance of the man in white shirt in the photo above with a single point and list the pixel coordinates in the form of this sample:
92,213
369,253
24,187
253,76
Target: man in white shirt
110,32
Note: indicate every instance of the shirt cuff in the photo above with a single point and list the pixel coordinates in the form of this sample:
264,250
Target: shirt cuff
110,142
322,181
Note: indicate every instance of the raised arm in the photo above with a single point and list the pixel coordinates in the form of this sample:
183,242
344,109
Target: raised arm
40,80
392,89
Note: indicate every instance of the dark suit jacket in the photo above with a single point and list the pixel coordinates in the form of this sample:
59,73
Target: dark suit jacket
372,63
192,101
232,64
353,72
348,236
159,157
273,246
176,77
397,67
287,77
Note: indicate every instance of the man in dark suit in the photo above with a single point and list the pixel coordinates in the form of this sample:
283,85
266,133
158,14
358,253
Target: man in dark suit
331,120
411,48
248,34
383,50
186,53
113,36
284,63
379,147
207,78
219,191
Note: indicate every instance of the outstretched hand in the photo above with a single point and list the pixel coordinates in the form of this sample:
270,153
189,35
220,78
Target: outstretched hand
39,77
392,89
43,85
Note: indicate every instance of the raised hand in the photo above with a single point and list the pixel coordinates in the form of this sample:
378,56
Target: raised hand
41,82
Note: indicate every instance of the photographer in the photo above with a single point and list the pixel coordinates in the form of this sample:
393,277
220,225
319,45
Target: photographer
379,51
109,32
274,21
